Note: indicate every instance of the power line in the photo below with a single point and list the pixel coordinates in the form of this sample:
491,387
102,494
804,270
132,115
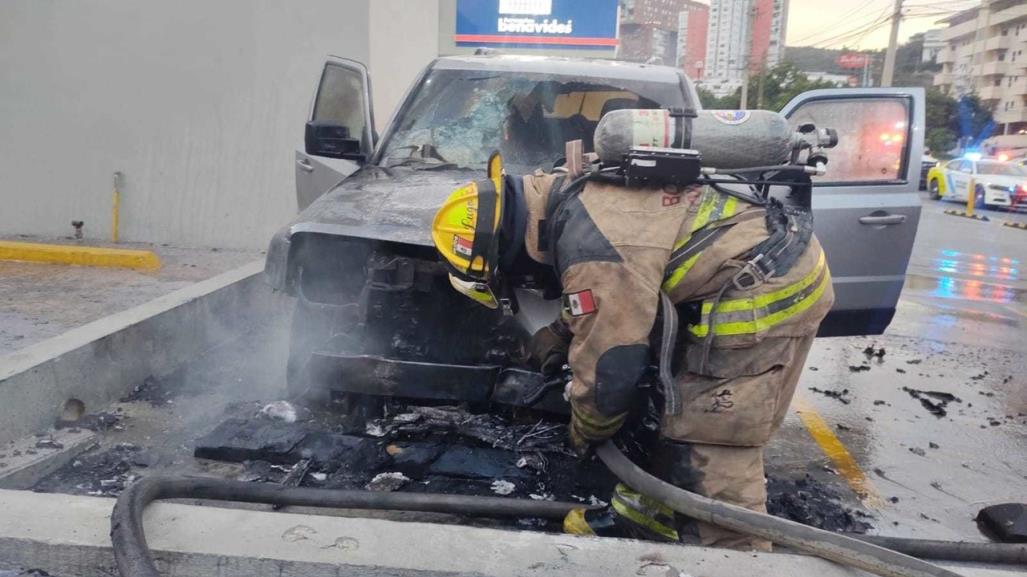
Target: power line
844,20
861,31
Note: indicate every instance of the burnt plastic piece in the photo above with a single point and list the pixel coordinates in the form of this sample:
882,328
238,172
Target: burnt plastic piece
1006,522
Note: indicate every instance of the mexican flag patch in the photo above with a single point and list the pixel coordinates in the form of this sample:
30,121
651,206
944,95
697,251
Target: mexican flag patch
462,246
581,303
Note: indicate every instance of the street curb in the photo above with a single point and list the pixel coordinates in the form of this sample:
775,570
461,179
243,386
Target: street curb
965,215
79,255
69,535
1019,225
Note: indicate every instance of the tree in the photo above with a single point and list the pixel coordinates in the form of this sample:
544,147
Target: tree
948,121
713,102
780,84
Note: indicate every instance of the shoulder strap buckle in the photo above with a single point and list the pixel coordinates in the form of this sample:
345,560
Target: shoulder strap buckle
753,274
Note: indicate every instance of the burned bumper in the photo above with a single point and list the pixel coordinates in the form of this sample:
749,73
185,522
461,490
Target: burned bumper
380,376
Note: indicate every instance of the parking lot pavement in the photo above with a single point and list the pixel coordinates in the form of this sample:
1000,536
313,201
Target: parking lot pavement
955,348
40,301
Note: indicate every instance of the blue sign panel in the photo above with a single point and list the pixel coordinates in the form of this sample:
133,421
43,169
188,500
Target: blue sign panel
537,23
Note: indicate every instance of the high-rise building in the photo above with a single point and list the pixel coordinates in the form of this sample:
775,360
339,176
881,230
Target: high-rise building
673,31
744,36
986,54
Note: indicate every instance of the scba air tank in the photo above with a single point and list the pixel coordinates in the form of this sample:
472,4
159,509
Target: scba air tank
724,138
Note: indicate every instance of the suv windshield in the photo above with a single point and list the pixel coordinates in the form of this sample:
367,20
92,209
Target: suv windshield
1000,168
460,117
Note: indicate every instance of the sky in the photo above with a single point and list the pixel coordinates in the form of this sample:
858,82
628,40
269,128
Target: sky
862,24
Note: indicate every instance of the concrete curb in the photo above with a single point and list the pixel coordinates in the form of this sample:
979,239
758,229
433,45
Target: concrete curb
66,534
28,460
79,255
1019,225
101,361
963,214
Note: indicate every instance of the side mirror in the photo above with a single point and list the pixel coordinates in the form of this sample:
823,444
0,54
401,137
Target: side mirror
333,141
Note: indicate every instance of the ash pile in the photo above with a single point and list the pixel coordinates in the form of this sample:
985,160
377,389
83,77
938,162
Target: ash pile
424,449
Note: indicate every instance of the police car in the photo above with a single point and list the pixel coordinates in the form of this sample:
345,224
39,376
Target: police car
995,183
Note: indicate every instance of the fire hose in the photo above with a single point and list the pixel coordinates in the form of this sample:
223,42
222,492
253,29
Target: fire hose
133,557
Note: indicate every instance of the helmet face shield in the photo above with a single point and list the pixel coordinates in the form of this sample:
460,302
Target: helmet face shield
479,292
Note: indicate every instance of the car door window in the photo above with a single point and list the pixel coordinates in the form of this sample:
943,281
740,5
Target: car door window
340,99
872,138
956,165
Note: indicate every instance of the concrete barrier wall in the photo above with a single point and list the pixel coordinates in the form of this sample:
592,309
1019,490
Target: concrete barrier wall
103,360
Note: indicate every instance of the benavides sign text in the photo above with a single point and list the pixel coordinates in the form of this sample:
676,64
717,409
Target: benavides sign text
537,23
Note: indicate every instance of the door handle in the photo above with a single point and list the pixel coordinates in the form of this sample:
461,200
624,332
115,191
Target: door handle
884,219
305,165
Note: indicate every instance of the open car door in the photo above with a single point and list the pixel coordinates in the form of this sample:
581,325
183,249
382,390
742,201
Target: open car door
339,134
866,208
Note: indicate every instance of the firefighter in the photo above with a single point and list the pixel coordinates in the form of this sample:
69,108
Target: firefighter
748,280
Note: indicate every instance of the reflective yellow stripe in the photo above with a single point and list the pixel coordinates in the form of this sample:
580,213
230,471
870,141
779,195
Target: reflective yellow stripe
707,213
679,273
642,519
730,206
764,323
596,428
709,202
747,303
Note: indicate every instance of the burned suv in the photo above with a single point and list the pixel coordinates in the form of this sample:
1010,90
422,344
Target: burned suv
375,314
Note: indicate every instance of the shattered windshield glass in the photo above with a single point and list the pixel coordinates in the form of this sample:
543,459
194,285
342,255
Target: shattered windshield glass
459,117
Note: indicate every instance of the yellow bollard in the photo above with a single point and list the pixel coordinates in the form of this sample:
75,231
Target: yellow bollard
971,198
115,207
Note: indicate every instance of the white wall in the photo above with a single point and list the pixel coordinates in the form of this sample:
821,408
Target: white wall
404,40
198,103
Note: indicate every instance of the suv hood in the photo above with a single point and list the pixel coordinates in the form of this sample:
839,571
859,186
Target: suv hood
390,204
396,204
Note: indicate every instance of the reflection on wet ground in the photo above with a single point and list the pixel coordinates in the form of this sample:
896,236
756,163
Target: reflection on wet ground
948,287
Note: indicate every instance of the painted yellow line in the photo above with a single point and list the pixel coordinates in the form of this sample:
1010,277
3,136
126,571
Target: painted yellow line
79,255
836,452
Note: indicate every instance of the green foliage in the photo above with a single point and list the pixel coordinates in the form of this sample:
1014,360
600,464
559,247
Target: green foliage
939,142
709,101
944,126
780,84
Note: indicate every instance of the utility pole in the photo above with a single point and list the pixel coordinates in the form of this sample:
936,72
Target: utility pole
744,104
889,56
760,83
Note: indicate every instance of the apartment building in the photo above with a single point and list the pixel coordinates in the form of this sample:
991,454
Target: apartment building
744,36
986,54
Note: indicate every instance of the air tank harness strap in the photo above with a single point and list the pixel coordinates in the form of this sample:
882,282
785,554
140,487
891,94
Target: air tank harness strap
681,260
790,231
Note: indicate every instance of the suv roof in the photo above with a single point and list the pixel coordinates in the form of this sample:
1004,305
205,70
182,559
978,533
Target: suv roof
600,68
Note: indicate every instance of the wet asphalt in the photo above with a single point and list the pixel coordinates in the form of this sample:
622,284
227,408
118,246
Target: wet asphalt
958,340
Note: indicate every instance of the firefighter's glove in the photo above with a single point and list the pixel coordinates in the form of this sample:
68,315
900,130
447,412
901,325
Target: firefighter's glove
549,348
